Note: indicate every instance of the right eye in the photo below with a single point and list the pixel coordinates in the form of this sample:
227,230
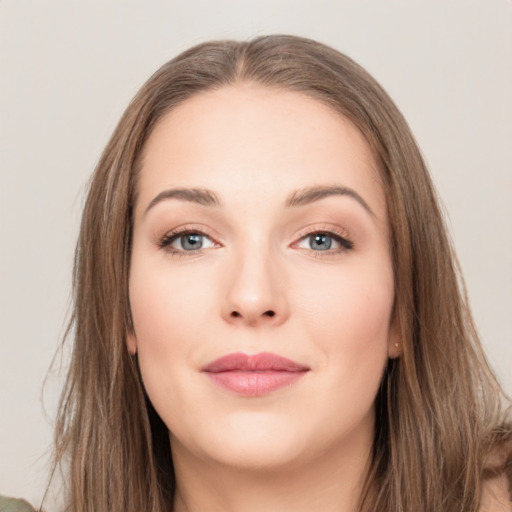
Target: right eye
186,241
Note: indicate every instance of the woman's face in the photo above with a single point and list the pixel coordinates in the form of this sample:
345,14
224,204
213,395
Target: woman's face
261,231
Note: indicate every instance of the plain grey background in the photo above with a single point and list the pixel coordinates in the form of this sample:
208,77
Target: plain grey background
69,68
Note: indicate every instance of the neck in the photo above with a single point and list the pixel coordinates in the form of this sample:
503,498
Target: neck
331,483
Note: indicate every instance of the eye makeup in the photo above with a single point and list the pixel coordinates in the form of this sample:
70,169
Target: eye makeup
321,241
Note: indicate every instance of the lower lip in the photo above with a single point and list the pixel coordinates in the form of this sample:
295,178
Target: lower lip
254,383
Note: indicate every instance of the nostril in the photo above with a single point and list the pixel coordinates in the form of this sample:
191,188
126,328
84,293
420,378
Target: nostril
269,313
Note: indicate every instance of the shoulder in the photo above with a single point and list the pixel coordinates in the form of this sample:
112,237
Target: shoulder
496,495
14,505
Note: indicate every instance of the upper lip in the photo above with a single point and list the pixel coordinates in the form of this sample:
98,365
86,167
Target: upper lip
264,361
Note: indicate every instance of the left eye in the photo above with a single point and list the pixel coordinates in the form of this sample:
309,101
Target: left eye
323,242
191,241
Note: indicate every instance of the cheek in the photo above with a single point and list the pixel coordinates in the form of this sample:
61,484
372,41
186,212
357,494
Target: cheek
168,330
164,303
348,314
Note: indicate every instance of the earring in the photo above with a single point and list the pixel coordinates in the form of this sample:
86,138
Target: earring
397,344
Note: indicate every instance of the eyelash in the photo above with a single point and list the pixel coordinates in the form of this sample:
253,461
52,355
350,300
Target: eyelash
345,243
341,238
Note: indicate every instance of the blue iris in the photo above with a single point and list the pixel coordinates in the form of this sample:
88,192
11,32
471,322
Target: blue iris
320,242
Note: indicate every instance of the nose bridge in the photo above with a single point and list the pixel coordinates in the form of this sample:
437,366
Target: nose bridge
255,289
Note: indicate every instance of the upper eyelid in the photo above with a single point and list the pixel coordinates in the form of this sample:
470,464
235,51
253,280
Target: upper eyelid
183,230
324,228
328,229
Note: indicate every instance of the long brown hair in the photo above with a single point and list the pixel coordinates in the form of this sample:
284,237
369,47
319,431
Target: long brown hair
439,409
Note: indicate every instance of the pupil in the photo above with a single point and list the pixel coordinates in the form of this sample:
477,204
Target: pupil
321,242
192,241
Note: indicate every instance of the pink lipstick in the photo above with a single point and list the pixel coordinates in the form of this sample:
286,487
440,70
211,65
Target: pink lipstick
254,375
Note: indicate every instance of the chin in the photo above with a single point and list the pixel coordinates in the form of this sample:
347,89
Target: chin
260,455
251,442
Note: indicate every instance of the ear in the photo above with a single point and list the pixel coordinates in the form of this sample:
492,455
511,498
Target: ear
131,342
395,346
394,349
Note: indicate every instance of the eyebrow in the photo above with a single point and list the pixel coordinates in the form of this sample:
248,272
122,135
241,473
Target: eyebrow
308,195
201,196
300,197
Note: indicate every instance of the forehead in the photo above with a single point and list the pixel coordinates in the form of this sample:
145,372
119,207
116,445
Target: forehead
244,139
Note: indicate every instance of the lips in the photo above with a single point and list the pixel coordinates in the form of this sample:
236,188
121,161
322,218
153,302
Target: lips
254,375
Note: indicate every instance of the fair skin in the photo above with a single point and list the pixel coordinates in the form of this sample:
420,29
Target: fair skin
311,282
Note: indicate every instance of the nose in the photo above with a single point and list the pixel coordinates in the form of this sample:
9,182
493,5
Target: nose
255,292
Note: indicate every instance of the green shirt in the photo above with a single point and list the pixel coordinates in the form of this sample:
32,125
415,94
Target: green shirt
14,505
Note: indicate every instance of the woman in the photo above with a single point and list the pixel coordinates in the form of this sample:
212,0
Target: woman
268,312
